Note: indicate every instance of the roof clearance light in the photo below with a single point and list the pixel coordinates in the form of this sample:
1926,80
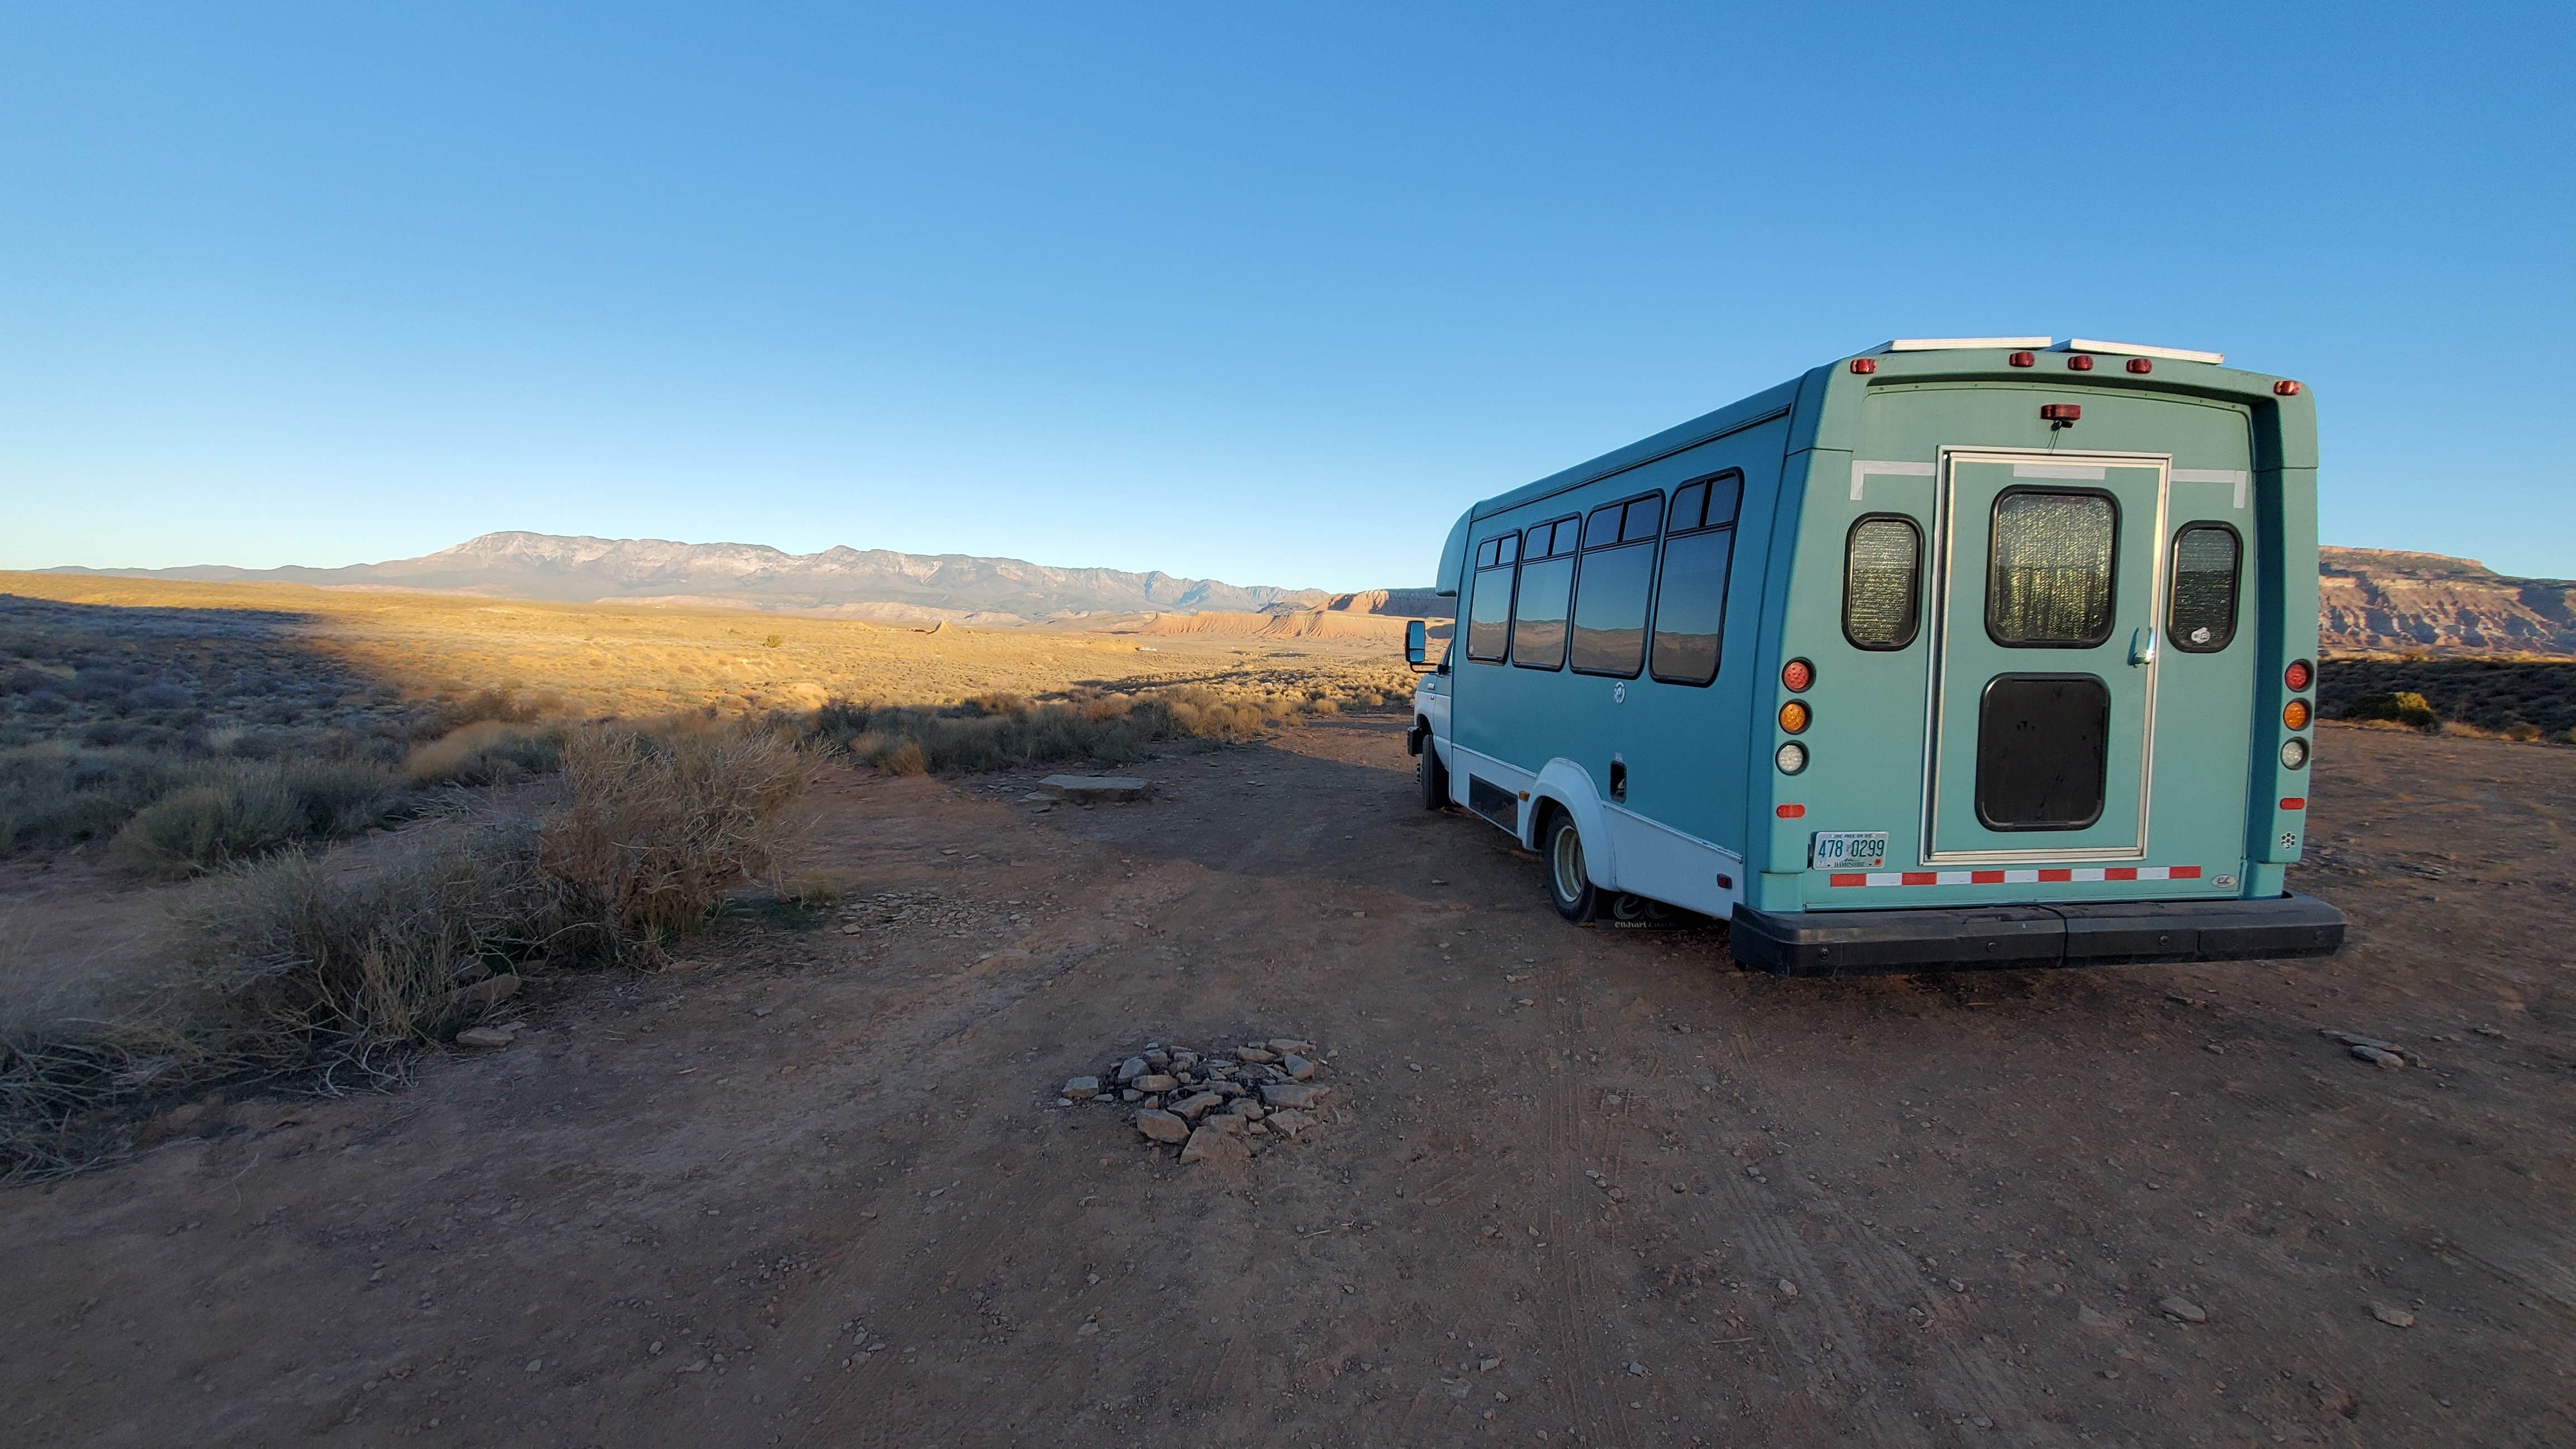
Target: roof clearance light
1795,716
2286,388
1792,758
2294,755
1797,674
2140,364
2295,714
2061,412
2298,675
2021,359
1864,365
2078,362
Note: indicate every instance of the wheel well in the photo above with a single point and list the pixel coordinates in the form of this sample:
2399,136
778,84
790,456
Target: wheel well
1543,815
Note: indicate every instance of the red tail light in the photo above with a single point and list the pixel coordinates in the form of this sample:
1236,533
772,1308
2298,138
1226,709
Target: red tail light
1797,674
1864,365
2079,363
2021,359
2298,675
2286,388
2061,412
2140,364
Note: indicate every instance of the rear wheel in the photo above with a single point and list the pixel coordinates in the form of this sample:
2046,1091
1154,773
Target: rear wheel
1431,775
1569,881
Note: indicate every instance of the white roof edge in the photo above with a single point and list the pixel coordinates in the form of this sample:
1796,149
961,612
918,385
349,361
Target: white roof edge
2140,349
1953,344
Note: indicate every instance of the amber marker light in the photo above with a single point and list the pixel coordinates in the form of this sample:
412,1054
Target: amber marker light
2299,675
2295,714
1797,674
1794,717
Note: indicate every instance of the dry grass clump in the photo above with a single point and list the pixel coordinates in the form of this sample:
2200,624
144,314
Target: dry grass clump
659,826
232,809
486,752
305,969
1006,731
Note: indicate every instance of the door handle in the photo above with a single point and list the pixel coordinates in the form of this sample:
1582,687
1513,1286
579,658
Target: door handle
2142,646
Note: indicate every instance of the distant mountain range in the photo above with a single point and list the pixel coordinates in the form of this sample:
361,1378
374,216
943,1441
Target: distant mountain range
2373,600
2382,601
857,583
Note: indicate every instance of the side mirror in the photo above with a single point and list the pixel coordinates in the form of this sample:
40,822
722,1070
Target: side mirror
1417,644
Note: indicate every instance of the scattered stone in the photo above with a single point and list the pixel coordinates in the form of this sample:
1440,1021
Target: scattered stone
2092,1320
1130,1094
1211,1145
2183,1309
485,1036
1130,1069
1192,1098
2486,1031
1288,1123
1228,1125
1788,1289
1082,1089
1489,1365
1297,1067
1156,1082
2380,1057
1096,789
2392,1315
1162,1126
1197,1104
1291,1094
1256,1055
1285,1045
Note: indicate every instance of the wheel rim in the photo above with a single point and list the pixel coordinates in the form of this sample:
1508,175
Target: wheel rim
1567,856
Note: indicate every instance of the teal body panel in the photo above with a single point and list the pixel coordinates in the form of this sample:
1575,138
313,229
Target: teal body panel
2195,736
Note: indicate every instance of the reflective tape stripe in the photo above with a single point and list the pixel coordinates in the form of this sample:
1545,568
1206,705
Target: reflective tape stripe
2064,875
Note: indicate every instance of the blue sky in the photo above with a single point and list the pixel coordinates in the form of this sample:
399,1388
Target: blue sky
1263,293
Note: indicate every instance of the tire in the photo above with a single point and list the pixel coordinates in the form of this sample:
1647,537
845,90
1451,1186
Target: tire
1569,883
1432,776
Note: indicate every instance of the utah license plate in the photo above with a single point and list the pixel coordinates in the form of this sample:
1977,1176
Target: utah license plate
1849,850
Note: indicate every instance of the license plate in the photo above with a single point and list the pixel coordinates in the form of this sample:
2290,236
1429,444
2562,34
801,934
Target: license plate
1849,850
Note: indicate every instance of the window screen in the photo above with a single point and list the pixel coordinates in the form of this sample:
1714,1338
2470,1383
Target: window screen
1882,583
2206,559
1690,593
2048,570
2043,751
1610,592
1546,587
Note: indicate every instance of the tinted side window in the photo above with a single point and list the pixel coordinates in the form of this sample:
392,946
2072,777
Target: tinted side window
1882,583
1690,589
2049,568
1489,614
1538,617
1611,590
2206,561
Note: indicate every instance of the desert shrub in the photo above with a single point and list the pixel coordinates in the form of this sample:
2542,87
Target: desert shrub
2403,707
658,827
231,810
2522,730
53,794
486,752
306,960
160,696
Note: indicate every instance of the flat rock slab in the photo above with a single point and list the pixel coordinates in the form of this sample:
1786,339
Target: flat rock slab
1097,789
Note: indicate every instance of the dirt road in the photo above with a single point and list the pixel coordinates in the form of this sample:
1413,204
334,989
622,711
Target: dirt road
816,1190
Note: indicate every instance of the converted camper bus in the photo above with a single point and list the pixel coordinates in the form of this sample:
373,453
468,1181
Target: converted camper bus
1961,652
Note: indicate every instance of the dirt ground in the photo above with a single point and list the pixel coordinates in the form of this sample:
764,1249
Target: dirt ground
813,1188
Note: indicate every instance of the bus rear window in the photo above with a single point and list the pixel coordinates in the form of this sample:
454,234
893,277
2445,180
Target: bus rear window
2049,568
1882,582
2207,558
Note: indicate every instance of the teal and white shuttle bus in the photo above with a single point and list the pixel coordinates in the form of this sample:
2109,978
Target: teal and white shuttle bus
1986,651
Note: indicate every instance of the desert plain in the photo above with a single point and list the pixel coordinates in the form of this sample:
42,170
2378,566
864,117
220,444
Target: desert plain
807,1175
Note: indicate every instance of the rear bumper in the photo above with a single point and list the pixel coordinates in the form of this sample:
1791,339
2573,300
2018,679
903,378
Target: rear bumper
1851,943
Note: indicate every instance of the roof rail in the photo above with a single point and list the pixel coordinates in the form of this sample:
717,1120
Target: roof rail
1953,344
2140,349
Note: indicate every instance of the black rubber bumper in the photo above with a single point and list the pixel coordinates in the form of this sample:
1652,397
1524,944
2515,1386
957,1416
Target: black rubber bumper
2109,933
